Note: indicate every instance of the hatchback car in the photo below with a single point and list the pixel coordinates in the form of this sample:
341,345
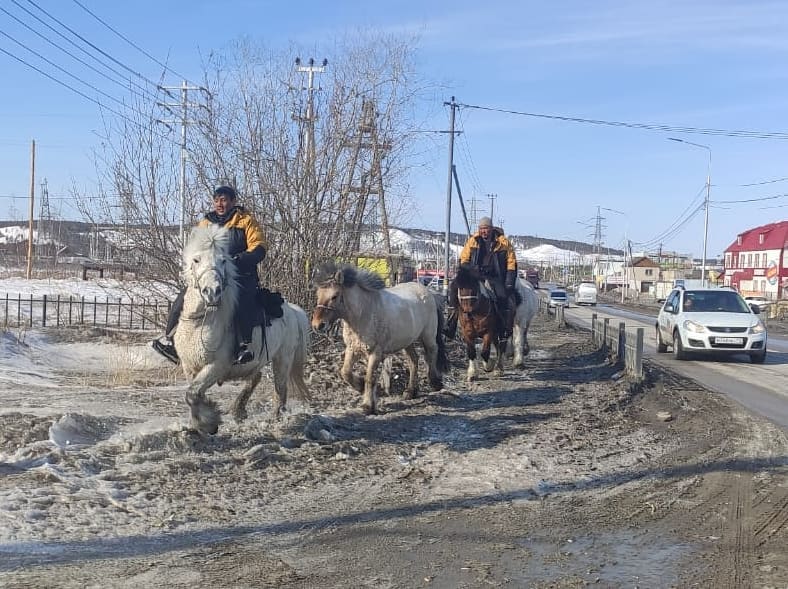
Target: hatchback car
710,320
586,294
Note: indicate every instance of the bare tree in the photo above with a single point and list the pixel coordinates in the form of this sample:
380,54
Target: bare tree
251,133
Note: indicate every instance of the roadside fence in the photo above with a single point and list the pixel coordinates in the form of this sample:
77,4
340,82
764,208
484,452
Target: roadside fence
625,345
57,311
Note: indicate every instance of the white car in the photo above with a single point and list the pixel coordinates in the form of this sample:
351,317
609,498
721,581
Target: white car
761,302
710,320
585,294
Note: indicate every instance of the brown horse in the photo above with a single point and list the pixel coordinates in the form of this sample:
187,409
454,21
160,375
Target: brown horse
479,318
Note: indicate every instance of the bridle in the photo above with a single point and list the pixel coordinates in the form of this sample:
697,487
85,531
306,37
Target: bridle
222,278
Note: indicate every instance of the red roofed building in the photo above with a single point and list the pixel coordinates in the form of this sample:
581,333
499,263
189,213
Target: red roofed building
757,262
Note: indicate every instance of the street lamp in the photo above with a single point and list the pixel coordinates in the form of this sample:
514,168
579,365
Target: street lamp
626,248
708,196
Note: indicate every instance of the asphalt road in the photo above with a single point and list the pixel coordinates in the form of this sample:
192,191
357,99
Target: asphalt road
762,388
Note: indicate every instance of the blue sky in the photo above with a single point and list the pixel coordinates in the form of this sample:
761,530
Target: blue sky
706,64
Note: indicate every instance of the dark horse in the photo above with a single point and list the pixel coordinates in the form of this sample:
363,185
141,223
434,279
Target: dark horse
479,318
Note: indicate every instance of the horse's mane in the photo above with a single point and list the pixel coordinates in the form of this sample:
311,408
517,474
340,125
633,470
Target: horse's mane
208,238
347,276
467,277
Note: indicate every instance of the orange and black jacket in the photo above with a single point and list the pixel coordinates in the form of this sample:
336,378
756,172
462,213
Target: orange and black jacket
247,242
502,265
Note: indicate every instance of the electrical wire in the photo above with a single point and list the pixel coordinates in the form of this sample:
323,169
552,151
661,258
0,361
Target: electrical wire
773,197
125,86
630,125
83,95
130,42
690,211
84,40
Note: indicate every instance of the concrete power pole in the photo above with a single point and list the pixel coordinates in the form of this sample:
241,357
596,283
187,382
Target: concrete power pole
492,198
182,115
453,106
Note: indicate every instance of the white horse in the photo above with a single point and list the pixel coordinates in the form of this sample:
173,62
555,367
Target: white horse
206,335
524,314
380,321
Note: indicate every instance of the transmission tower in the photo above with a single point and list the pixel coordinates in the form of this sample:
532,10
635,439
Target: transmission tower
44,220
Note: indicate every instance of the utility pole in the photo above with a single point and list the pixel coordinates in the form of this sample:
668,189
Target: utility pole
32,209
183,120
45,232
492,198
453,106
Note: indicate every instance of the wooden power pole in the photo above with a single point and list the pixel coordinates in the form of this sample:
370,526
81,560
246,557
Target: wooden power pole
32,209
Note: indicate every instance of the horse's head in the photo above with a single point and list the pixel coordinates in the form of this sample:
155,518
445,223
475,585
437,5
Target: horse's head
329,281
469,289
207,265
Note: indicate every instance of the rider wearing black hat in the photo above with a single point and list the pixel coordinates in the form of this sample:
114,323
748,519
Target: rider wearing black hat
248,248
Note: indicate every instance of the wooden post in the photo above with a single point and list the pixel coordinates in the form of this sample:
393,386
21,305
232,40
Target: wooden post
639,353
31,310
32,213
593,328
622,341
44,312
605,331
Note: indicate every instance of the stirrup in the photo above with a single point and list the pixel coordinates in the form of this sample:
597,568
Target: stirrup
245,355
166,350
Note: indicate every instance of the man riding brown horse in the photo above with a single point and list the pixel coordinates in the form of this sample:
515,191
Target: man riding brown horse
492,254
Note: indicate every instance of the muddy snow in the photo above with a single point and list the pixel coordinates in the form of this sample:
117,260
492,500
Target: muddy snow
561,474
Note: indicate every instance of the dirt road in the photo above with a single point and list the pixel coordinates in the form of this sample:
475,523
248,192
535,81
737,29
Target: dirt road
558,475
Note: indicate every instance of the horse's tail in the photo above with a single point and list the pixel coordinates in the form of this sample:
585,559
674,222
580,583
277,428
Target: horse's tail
443,358
296,376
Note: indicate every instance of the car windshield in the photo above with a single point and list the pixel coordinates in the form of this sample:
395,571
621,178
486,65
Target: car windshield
722,301
558,294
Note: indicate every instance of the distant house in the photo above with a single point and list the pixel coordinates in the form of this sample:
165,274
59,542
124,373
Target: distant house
642,274
756,263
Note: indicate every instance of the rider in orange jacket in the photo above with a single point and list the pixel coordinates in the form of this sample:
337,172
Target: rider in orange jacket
493,254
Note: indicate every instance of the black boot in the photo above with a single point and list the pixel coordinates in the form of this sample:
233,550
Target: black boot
451,323
166,348
244,354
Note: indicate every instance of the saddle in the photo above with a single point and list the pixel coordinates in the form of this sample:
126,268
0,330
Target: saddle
269,306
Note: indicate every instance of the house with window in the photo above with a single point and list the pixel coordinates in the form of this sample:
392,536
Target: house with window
642,274
756,263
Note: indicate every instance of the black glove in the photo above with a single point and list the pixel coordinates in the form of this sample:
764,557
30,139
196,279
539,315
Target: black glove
244,262
511,276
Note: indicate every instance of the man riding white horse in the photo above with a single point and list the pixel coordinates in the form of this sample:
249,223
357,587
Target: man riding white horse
248,248
492,253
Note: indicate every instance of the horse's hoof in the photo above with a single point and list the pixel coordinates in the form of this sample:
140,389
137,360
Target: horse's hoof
436,385
409,394
240,416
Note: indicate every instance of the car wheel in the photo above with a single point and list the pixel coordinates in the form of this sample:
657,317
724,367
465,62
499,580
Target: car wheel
678,349
758,358
662,347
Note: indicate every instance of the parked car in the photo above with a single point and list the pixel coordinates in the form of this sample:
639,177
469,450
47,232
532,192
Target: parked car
585,294
710,320
761,302
557,298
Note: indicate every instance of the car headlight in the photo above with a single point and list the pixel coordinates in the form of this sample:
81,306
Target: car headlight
758,328
694,327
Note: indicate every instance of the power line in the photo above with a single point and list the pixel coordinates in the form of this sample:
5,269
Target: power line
646,126
53,64
70,54
84,40
675,227
82,94
773,197
129,41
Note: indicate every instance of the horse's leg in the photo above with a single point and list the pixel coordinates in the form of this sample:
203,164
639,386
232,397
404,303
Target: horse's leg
412,359
369,404
486,347
347,370
239,406
517,344
470,349
205,415
431,351
500,350
281,366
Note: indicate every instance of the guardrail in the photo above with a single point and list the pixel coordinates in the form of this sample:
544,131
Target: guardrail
49,311
625,345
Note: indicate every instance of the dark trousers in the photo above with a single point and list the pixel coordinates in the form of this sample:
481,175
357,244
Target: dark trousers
246,313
